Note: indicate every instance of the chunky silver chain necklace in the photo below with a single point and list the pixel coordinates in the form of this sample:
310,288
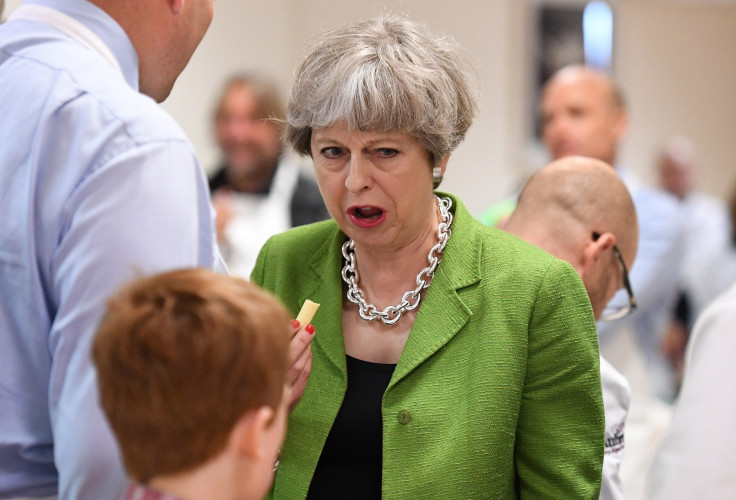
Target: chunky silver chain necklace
410,300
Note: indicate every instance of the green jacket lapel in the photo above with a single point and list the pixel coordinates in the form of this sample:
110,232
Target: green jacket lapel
442,312
327,291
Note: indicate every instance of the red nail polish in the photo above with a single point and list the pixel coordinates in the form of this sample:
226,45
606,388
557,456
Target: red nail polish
294,323
310,329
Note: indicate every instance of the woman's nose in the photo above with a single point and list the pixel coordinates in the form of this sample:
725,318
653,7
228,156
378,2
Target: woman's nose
358,174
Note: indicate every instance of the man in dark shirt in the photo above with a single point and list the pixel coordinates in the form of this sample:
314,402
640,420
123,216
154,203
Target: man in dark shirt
257,191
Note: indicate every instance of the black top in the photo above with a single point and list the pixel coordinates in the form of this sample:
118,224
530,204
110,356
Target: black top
350,463
306,201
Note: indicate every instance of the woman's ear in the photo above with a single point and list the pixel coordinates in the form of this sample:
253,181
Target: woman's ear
438,172
443,164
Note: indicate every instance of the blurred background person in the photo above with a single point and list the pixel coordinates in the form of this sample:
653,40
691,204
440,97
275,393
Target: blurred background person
583,113
578,210
697,457
192,367
707,269
257,191
707,221
454,360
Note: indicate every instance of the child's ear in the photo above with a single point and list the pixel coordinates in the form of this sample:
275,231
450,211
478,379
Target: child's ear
176,5
249,436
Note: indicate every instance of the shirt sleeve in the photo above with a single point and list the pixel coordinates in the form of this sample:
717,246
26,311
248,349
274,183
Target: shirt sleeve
145,211
560,434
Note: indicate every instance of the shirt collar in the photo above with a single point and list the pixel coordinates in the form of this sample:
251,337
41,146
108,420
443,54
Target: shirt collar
137,491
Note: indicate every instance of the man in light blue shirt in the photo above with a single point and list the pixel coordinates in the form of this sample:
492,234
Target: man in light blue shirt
583,113
97,185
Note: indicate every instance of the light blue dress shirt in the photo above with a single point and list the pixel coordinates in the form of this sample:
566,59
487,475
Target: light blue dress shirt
654,277
97,185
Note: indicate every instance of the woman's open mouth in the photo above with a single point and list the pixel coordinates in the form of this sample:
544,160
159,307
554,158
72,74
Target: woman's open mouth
366,216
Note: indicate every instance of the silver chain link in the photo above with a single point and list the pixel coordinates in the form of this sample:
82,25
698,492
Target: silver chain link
410,300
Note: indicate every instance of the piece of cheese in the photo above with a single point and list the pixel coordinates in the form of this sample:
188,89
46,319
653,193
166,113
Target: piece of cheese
307,313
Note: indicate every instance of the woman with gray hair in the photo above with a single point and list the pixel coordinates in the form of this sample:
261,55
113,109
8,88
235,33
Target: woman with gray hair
452,360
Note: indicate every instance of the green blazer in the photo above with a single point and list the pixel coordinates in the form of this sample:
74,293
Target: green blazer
497,393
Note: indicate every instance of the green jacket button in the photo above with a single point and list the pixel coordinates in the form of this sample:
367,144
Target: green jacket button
404,417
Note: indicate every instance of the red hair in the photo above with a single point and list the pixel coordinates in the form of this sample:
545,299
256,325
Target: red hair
181,357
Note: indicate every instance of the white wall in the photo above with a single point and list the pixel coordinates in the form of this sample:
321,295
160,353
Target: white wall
240,36
674,59
678,67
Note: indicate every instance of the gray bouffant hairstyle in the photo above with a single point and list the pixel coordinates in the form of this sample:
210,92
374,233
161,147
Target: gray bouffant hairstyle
386,74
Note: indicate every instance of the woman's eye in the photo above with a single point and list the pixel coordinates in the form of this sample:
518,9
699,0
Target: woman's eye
387,152
331,152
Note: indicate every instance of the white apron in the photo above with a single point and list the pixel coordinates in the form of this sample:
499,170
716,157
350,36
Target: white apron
256,218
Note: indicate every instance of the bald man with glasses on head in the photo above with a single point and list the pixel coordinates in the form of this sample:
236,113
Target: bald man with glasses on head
580,211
